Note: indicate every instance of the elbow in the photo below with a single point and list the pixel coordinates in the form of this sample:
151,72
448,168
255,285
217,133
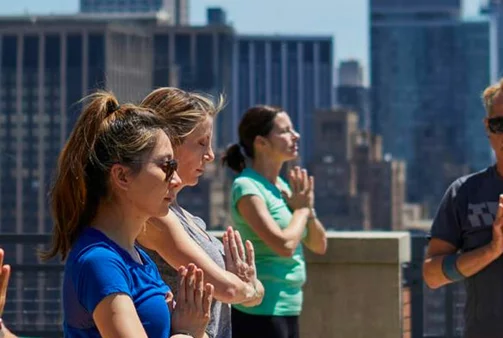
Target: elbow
321,249
432,284
229,294
287,249
429,279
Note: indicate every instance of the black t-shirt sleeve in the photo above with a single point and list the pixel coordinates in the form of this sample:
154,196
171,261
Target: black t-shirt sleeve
446,224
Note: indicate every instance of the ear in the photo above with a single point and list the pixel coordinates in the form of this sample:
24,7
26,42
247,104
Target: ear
120,177
260,142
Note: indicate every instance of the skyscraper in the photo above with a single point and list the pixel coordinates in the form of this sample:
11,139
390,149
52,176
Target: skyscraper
351,93
350,73
424,59
293,72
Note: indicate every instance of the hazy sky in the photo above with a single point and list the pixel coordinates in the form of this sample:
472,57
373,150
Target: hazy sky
346,20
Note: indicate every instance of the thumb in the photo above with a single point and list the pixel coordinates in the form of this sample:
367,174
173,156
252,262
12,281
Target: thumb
285,195
170,300
499,213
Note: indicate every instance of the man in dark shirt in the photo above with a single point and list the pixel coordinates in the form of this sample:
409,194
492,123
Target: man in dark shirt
467,234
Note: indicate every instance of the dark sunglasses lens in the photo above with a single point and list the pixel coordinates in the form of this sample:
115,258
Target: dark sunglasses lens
170,168
496,125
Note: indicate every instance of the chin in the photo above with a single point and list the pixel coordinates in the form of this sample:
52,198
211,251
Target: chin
163,211
192,182
294,155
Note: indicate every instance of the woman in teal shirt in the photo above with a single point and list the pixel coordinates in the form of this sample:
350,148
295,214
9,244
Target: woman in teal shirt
276,217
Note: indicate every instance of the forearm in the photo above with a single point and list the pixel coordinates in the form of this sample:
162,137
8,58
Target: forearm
292,235
316,239
468,264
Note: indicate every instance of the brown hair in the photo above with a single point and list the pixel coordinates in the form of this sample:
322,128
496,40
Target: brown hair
105,134
182,111
490,95
257,121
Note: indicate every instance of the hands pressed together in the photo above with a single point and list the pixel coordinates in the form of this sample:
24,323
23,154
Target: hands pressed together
242,263
302,186
191,310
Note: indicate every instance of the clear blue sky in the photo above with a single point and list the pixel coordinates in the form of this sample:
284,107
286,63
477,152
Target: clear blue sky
346,20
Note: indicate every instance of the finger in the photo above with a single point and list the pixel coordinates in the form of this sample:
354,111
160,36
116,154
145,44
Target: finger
182,275
227,250
239,243
291,179
190,284
233,245
298,179
305,180
250,253
199,292
2,255
4,281
310,184
499,213
208,299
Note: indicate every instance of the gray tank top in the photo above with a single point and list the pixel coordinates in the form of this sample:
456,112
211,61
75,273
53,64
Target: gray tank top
220,322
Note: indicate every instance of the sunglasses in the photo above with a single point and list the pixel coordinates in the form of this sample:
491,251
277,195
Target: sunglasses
169,167
495,124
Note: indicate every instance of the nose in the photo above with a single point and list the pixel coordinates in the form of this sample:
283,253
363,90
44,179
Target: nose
296,135
175,181
209,156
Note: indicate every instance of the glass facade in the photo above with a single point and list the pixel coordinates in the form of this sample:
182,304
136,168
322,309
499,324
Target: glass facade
90,6
424,98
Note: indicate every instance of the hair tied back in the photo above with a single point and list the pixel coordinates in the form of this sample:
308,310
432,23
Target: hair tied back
112,107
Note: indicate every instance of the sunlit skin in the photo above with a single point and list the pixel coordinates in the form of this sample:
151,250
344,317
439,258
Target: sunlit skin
194,154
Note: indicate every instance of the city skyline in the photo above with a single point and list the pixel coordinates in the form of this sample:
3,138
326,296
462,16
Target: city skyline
330,18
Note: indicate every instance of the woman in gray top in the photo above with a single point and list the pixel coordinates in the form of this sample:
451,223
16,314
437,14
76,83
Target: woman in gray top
181,238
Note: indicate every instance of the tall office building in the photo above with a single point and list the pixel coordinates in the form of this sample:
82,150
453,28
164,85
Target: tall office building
493,10
47,64
350,73
351,93
294,73
424,58
178,10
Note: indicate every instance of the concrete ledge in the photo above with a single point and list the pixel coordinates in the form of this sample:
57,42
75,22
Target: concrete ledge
364,247
355,290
